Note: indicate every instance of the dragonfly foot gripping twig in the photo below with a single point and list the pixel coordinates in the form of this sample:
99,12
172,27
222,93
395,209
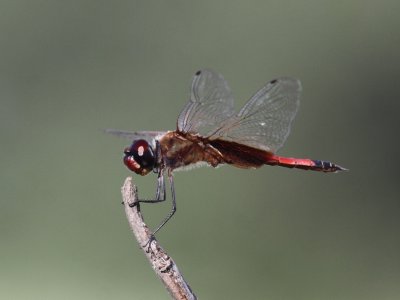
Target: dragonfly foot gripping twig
161,262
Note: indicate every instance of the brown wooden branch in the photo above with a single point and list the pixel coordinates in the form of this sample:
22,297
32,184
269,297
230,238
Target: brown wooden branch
161,262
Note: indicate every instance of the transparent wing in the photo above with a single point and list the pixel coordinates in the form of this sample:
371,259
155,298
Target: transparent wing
135,135
210,103
264,122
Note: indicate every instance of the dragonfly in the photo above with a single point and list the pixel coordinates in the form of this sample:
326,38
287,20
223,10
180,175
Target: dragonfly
210,132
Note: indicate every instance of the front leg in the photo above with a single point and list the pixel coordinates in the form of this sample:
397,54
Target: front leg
173,209
160,192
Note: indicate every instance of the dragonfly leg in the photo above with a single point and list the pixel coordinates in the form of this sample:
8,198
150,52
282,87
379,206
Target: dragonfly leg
173,210
161,186
160,192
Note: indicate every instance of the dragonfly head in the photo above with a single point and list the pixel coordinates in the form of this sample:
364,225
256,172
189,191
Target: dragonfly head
139,157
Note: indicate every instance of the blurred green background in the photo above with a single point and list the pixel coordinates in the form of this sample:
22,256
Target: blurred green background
69,69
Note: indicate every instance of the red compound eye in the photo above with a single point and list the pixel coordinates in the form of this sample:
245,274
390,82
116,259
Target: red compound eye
139,157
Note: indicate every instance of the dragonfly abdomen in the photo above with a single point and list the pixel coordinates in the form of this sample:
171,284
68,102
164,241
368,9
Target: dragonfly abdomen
304,163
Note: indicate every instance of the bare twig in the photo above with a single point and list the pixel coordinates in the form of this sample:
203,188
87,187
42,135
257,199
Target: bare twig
162,264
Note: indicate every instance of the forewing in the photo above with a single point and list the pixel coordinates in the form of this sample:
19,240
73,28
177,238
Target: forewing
210,103
264,122
136,135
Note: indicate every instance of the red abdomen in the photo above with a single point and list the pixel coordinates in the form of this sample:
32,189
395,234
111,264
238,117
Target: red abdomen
243,156
303,163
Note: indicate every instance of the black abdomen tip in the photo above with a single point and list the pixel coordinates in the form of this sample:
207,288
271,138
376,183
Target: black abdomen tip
327,166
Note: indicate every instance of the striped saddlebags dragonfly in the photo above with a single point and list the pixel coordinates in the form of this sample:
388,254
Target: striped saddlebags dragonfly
210,132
